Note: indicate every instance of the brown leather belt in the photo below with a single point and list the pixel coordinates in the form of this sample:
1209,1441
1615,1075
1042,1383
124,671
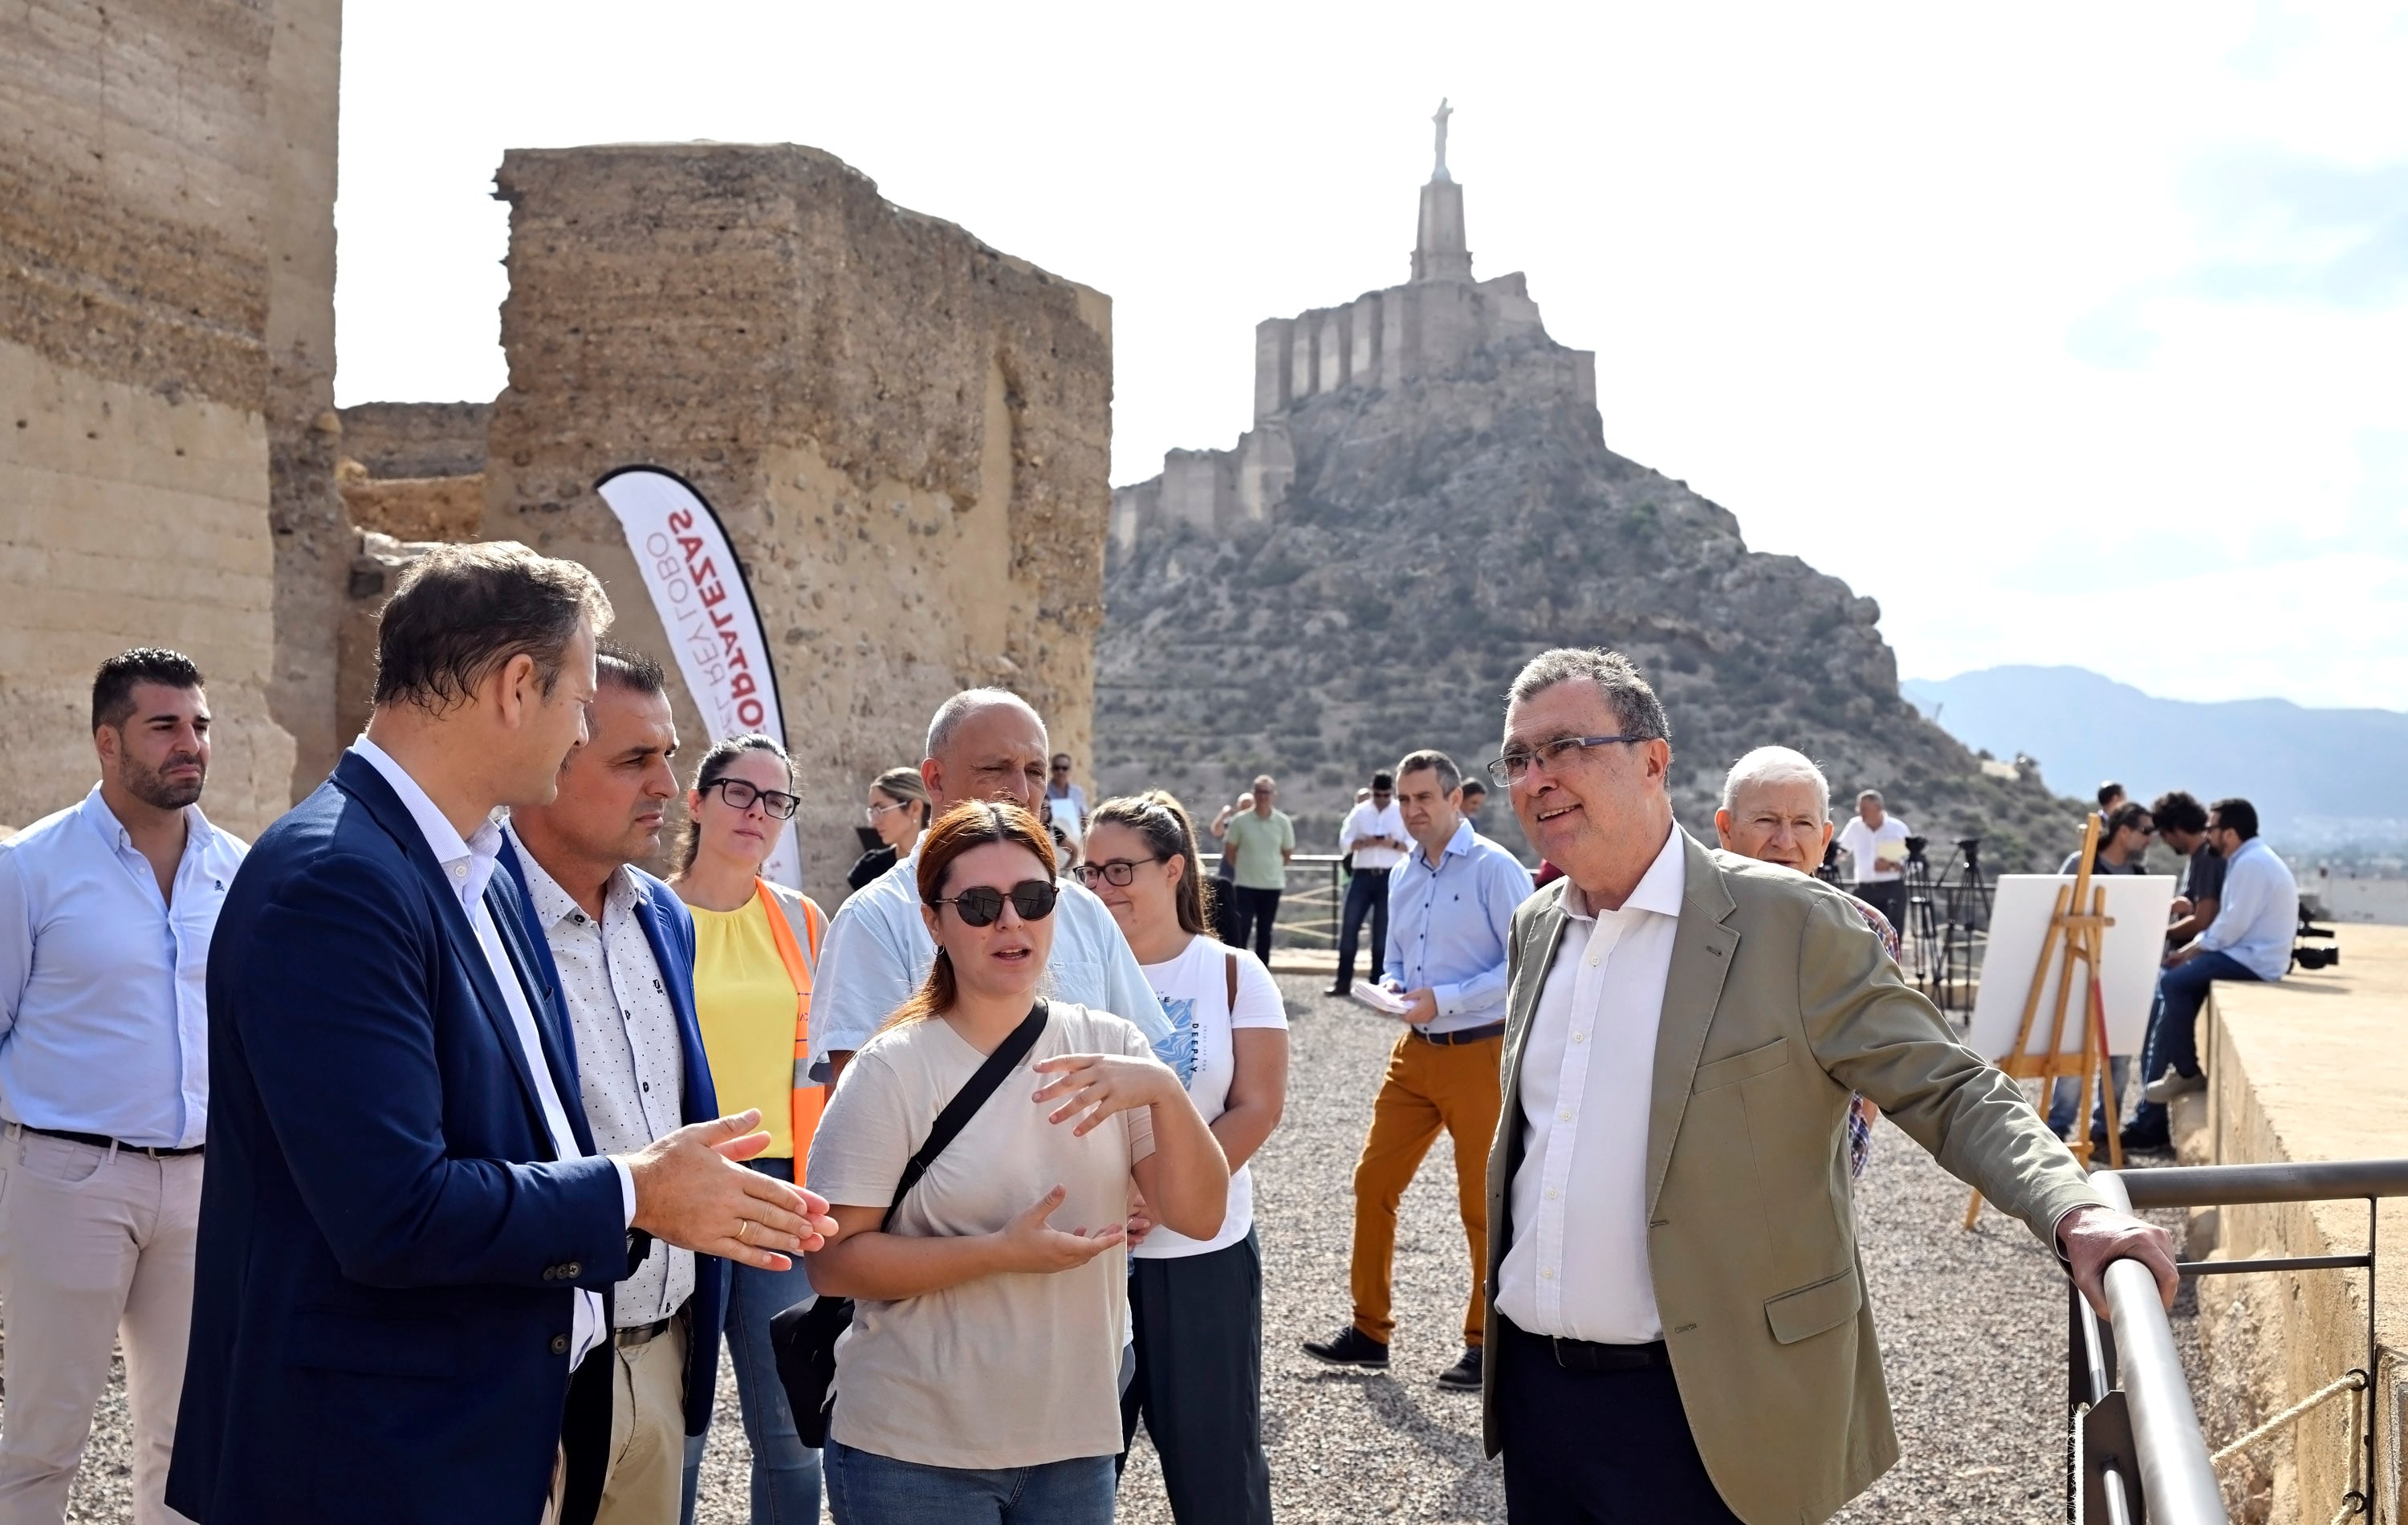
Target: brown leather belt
1468,1035
102,1141
636,1335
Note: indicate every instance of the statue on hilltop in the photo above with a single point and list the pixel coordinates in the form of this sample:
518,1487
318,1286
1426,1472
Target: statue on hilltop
1444,111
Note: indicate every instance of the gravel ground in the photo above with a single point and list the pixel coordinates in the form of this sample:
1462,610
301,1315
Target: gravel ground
1972,1329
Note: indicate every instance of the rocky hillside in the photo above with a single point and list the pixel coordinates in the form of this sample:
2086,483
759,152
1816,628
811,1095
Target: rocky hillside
1437,535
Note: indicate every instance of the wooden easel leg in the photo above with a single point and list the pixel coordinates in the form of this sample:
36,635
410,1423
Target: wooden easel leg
1973,1210
2106,1076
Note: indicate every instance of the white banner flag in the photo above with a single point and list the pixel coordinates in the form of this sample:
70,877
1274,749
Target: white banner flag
699,592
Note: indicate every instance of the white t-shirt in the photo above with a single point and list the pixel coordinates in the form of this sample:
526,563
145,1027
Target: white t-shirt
1194,992
1369,820
1863,844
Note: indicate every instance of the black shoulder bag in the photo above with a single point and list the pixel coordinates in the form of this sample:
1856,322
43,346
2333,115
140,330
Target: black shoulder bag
804,1336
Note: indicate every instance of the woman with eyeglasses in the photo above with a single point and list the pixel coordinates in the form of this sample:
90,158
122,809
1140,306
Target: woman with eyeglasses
980,1380
1197,1302
756,944
899,812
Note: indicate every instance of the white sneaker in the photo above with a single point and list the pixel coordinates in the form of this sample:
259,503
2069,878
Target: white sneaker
2166,1087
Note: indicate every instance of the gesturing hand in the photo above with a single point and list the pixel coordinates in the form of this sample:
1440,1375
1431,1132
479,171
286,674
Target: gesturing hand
1029,1244
2093,1236
691,1192
1102,1084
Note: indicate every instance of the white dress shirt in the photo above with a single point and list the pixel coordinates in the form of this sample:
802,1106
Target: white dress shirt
1369,820
470,866
1578,1268
1863,844
2257,915
629,1064
104,998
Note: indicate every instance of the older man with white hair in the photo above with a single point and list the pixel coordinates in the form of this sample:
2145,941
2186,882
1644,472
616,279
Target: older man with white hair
1777,809
984,743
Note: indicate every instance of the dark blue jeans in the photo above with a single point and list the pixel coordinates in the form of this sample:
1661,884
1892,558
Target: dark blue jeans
2182,990
1367,895
867,1489
785,1472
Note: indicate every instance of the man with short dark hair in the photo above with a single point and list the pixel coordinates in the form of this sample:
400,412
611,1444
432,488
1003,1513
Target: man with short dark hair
2123,843
1372,836
407,1236
2182,821
107,909
2257,919
1475,795
1450,906
618,944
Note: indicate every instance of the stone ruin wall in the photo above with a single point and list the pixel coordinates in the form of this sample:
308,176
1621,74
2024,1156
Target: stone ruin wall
905,432
167,322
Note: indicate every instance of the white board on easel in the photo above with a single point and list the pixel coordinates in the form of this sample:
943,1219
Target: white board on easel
2139,906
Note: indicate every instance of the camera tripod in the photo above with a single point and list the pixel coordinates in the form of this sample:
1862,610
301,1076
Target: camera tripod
1945,919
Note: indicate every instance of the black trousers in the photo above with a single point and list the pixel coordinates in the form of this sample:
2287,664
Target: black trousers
1199,1382
1889,896
1597,1447
1367,894
1249,918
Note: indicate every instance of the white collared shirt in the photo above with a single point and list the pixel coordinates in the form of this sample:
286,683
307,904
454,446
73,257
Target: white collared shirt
468,865
103,996
1578,1264
1369,820
629,1064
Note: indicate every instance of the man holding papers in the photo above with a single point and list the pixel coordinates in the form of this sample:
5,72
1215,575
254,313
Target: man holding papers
1450,916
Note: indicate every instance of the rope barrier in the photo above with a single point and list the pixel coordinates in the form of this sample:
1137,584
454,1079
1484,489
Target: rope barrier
2081,1479
2347,1382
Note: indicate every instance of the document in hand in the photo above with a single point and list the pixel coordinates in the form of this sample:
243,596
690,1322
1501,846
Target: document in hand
1381,999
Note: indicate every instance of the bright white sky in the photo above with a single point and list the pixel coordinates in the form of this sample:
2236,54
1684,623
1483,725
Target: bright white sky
2072,334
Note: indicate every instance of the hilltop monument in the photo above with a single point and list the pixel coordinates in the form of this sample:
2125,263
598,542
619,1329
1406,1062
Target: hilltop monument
1424,499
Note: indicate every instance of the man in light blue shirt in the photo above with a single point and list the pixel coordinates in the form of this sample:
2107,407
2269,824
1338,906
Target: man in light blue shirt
2257,919
1450,907
107,909
985,743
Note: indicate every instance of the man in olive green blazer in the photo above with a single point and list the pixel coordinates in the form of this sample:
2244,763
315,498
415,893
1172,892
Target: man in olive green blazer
1677,1327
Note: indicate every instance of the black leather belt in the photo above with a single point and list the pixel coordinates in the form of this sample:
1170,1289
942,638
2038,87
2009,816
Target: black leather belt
640,1334
1590,1356
1467,1035
102,1141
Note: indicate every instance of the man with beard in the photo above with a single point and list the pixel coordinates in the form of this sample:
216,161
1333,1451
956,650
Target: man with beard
106,912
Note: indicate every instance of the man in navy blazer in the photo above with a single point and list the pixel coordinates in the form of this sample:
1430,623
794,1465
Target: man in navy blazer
618,946
406,1239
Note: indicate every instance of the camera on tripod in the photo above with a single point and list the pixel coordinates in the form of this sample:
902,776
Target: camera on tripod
1915,847
1972,848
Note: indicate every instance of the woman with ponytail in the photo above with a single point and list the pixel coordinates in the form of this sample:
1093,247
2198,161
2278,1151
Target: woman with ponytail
1198,1301
755,946
980,1380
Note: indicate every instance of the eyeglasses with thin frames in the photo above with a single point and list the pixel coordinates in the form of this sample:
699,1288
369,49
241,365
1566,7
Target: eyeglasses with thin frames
981,905
874,812
740,796
1508,767
1119,871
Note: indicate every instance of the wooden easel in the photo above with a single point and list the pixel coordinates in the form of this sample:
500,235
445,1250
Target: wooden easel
2081,935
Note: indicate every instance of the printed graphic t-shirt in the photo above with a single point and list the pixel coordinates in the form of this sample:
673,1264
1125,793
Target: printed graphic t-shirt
1194,992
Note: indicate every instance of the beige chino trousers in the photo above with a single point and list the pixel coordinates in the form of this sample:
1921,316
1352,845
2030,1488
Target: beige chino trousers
646,1483
96,1249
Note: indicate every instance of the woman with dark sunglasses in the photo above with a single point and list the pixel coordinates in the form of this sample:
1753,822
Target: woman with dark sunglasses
1197,1302
980,1380
755,944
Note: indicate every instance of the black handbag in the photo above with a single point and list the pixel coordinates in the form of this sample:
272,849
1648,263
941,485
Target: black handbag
804,1336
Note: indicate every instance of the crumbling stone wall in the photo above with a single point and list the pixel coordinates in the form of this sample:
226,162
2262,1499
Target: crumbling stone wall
138,211
906,432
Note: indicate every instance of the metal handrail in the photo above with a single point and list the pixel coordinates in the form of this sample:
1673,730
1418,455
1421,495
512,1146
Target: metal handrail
2152,1409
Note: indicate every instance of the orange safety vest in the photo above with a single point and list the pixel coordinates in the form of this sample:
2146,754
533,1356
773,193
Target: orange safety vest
810,1098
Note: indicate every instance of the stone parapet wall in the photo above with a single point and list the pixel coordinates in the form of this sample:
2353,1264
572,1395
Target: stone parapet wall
905,432
2309,1069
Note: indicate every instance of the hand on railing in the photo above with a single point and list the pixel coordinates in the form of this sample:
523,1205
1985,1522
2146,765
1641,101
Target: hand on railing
2091,1237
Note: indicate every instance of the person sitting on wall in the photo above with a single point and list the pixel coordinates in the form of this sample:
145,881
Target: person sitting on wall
2251,938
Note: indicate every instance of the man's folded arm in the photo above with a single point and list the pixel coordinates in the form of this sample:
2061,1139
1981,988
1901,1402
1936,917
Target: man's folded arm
1873,1033
329,1001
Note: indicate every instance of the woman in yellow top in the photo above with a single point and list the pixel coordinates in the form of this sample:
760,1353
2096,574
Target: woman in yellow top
754,946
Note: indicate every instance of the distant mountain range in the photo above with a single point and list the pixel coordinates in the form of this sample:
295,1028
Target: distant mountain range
2316,776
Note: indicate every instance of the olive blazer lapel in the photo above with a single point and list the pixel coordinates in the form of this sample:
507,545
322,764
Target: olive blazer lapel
1692,988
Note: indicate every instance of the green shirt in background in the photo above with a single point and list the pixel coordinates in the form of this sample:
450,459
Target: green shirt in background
1256,842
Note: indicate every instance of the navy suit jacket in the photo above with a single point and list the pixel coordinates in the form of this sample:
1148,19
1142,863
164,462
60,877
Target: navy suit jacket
668,927
381,1305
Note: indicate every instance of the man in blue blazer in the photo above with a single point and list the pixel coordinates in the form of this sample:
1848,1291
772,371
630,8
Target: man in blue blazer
618,946
405,1238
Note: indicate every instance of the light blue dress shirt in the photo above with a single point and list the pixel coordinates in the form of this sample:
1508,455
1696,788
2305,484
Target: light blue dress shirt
103,999
1449,928
878,950
2258,916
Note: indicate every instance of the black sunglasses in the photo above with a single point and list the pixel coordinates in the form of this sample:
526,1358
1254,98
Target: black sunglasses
740,796
982,905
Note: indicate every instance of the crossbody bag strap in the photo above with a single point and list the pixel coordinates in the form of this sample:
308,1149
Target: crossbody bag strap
965,1103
